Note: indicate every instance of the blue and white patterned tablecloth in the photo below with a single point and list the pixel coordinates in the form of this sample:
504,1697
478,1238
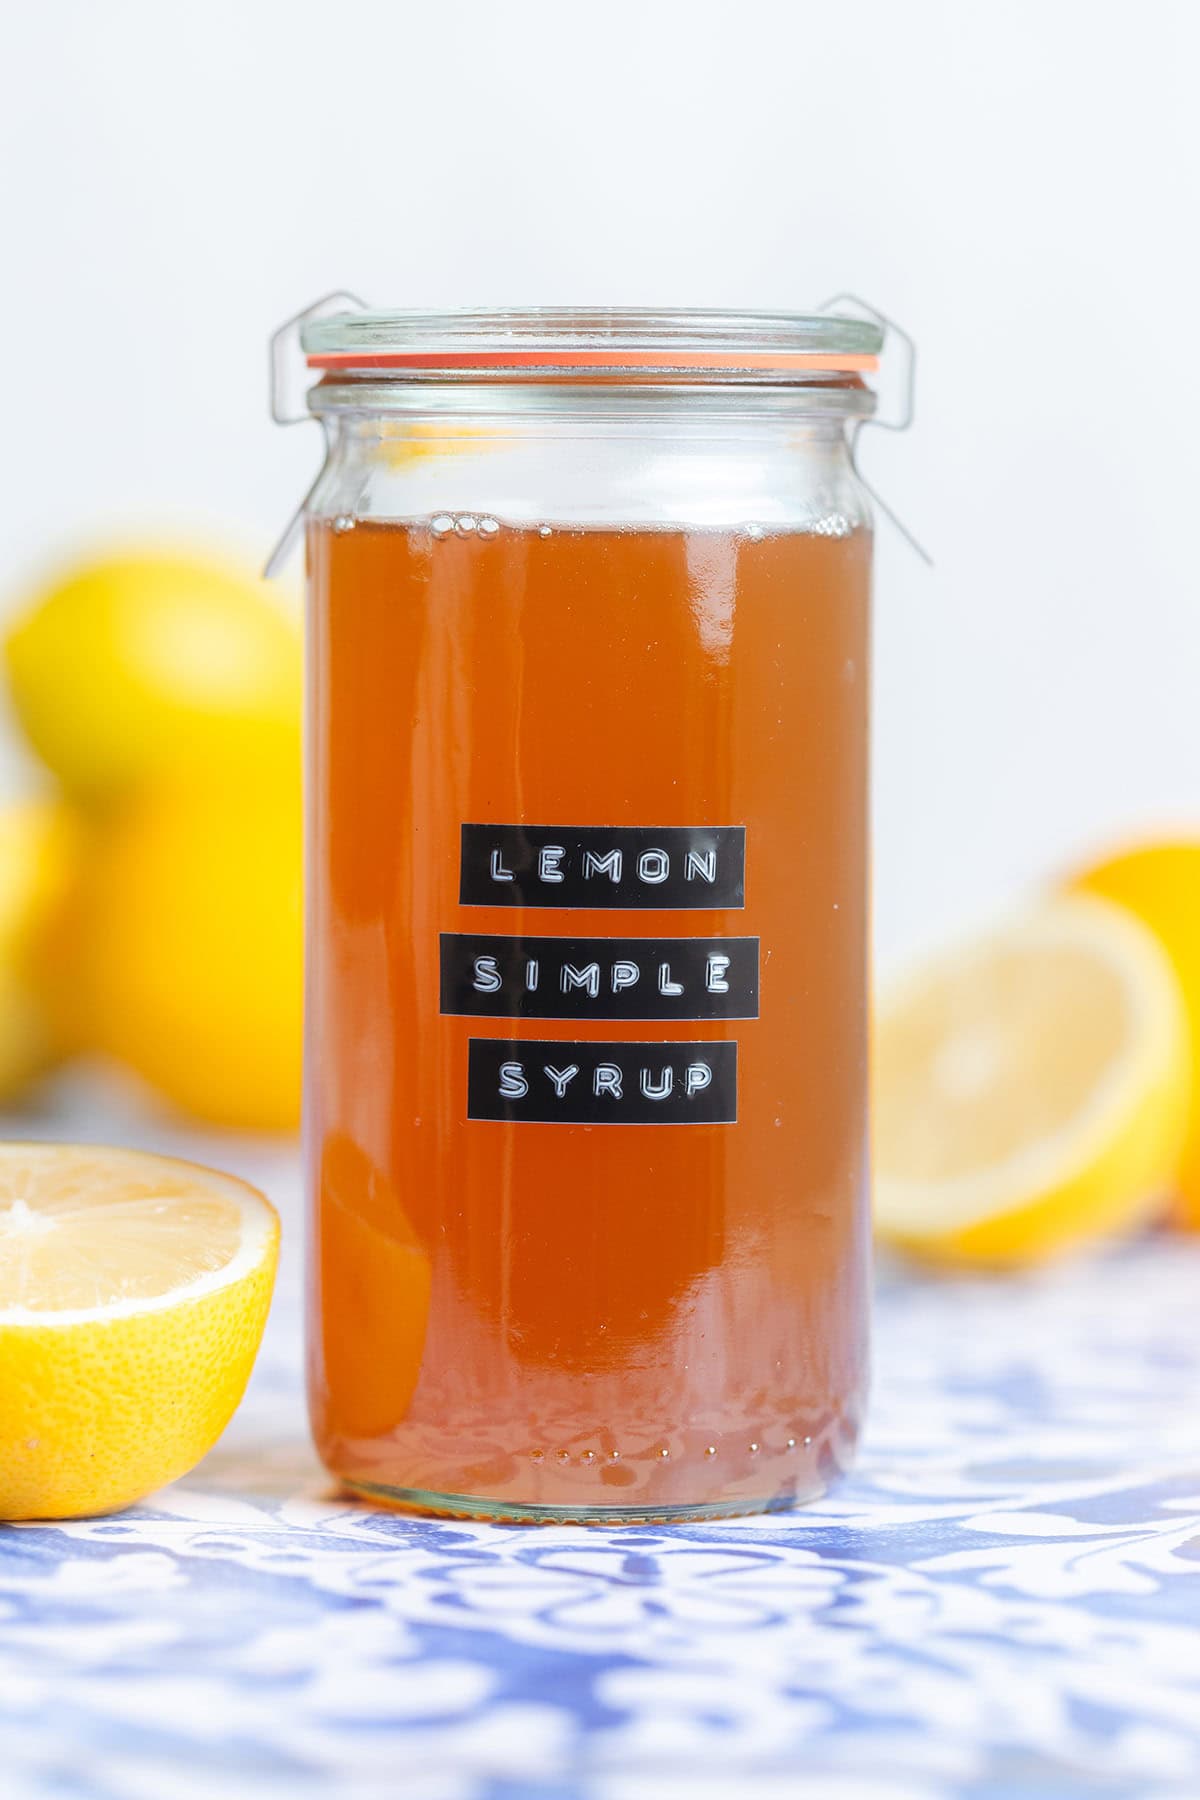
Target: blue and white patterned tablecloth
1003,1601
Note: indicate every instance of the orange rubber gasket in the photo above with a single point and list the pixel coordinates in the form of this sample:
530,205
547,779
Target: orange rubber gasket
844,364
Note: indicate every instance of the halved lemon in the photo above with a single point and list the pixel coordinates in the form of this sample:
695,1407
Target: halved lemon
1160,884
1031,1088
133,1294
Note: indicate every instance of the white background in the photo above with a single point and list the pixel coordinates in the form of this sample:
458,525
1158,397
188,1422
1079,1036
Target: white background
1017,184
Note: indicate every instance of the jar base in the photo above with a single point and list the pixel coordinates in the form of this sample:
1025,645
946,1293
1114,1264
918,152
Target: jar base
511,1512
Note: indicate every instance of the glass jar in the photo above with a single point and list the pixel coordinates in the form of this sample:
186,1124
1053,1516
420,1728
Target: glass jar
587,979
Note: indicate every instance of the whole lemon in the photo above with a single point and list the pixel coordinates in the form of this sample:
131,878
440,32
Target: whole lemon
39,848
189,940
133,663
1160,883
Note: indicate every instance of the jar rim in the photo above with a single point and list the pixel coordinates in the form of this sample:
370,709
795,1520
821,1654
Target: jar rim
526,343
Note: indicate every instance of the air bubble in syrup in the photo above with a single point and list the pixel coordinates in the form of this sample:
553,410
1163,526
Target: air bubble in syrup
544,531
343,522
465,524
488,527
754,532
441,525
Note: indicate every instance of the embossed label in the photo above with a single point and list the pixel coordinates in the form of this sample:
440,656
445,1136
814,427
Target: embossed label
555,1082
666,868
488,976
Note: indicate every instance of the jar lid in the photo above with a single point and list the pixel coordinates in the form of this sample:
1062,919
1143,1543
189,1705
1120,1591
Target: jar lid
548,341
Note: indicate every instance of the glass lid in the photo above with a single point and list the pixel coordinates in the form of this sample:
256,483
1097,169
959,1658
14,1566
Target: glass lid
526,341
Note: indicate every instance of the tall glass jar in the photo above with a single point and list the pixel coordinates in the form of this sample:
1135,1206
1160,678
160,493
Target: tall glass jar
587,1014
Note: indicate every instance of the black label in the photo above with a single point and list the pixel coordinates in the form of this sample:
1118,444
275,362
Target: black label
667,868
599,978
548,1083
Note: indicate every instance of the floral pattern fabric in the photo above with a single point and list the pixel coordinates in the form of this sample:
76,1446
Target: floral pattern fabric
1002,1600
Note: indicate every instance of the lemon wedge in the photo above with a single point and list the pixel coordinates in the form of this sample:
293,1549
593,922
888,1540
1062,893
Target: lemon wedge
1031,1088
133,1294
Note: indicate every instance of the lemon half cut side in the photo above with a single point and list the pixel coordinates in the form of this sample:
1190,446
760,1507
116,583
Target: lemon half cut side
1160,884
133,1294
1030,1088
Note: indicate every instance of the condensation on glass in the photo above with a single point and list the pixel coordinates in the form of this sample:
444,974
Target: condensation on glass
587,1008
